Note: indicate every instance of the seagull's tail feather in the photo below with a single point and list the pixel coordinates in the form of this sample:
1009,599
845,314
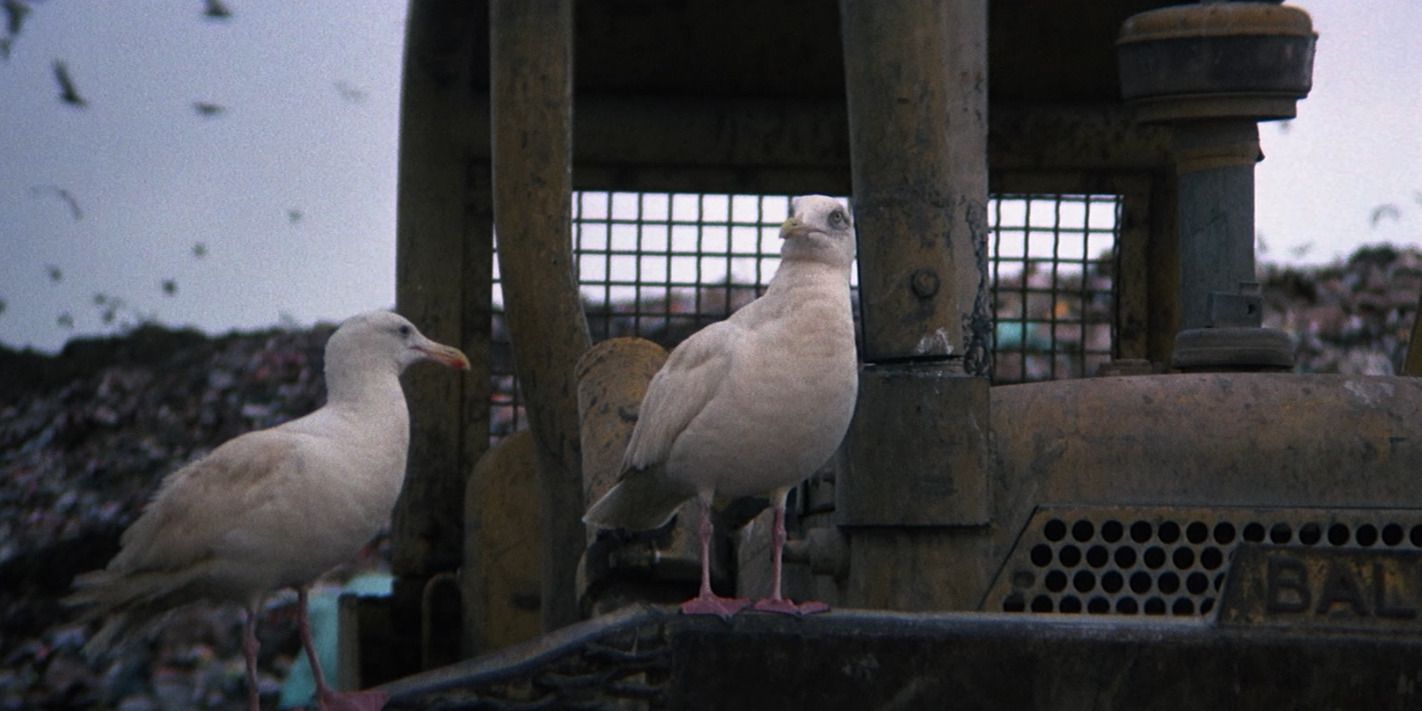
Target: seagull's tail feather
117,631
642,501
128,603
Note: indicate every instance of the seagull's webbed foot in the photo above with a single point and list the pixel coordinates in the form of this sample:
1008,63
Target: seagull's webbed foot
723,607
783,606
327,699
777,603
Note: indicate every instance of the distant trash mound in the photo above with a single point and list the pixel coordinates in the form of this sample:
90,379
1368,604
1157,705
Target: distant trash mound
1353,318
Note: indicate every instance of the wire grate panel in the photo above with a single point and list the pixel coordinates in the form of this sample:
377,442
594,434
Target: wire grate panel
664,265
1052,261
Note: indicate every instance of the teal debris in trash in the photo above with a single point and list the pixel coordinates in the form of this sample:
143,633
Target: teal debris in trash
324,610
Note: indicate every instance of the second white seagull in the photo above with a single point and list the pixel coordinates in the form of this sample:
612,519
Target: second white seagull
751,405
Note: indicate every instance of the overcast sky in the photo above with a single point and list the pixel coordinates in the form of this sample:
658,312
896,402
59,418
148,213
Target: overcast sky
281,206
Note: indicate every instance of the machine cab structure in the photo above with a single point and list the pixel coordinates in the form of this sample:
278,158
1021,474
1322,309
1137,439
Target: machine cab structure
1078,453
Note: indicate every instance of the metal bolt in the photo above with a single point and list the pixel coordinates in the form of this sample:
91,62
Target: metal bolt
924,283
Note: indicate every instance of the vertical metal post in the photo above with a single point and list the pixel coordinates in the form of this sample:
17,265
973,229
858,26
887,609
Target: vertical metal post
916,83
443,271
1215,163
531,75
1221,307
1213,70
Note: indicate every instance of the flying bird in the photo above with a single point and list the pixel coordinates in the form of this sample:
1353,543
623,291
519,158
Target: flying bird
1384,211
199,250
350,93
751,405
215,10
170,287
69,200
67,93
108,307
274,508
55,274
294,215
15,12
207,109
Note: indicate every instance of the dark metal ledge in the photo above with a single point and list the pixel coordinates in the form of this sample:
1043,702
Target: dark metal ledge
645,657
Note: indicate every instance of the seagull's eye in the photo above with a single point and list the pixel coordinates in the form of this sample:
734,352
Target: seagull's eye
405,331
838,219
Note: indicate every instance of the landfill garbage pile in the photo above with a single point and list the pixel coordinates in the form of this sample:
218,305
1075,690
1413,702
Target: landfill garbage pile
1353,317
86,436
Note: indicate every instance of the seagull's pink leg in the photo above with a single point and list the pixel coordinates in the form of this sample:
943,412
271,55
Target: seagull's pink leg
327,698
250,645
707,602
776,603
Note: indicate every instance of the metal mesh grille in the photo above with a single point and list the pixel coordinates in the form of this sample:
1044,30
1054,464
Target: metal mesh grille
1052,259
1167,561
663,265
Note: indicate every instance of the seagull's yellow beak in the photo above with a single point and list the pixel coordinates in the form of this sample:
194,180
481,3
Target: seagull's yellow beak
444,355
790,226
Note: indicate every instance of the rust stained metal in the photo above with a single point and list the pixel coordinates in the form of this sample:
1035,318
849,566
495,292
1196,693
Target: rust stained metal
443,270
1171,60
1132,275
1245,439
941,478
500,579
532,88
861,659
1325,588
622,567
915,78
612,379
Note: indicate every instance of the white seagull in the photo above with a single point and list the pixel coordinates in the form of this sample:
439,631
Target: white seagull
274,508
750,405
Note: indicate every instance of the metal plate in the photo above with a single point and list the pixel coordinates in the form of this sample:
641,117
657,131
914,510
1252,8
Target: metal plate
1166,560
1323,587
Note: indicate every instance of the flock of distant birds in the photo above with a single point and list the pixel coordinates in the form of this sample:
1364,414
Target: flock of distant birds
16,12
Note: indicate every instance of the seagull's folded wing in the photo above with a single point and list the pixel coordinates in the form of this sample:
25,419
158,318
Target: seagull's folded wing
199,505
679,392
644,498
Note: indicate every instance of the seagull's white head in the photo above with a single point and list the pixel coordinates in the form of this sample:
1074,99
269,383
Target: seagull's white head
819,229
378,341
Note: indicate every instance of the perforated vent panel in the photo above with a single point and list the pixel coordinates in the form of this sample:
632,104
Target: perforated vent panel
1166,560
